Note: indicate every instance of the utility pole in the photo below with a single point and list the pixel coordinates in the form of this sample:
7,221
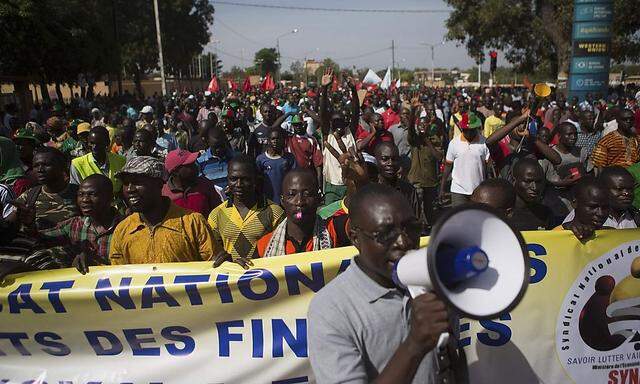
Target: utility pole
278,66
164,83
393,59
433,70
211,65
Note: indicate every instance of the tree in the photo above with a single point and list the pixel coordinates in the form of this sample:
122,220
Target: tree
184,26
266,60
297,70
236,73
535,33
53,42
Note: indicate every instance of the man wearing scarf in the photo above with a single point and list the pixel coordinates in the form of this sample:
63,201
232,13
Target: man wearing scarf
302,230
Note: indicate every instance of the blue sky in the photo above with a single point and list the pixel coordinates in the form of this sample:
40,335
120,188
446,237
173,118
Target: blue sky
241,31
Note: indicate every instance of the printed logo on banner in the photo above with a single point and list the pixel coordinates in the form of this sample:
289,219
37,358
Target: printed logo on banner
598,327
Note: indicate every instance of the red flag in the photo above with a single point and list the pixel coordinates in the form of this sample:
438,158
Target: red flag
271,85
232,85
213,85
267,83
246,86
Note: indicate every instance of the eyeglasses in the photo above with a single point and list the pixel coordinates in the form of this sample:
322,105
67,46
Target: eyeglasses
411,229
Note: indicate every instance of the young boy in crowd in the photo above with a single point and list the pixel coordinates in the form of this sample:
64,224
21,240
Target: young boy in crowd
274,163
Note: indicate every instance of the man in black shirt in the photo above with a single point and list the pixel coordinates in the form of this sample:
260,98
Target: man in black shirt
529,213
388,164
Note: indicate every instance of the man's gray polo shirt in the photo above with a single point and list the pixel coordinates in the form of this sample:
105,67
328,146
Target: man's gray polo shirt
355,327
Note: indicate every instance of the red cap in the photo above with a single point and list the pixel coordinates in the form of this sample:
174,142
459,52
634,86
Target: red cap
179,157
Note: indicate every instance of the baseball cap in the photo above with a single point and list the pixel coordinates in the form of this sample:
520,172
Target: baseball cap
95,110
83,127
146,109
179,157
143,165
470,121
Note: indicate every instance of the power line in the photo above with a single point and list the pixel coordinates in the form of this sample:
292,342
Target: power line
318,9
362,55
218,21
234,56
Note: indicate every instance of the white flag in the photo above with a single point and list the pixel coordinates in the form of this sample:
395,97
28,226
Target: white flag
386,82
371,78
398,84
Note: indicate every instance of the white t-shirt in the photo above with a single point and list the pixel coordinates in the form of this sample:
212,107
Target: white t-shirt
469,164
331,166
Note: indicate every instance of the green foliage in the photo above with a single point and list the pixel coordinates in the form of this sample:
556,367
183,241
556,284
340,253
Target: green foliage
535,33
55,41
266,60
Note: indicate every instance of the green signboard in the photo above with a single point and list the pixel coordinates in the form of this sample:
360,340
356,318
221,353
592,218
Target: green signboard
590,48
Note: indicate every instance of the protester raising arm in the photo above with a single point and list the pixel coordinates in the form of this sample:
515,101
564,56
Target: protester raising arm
324,102
355,105
544,149
416,139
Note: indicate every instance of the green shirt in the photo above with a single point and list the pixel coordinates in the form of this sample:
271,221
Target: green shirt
635,171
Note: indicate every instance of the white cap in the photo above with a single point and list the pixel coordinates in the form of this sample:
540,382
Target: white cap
95,110
207,93
146,109
191,97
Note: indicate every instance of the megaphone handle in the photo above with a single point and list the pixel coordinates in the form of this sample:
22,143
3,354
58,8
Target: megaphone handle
415,290
443,340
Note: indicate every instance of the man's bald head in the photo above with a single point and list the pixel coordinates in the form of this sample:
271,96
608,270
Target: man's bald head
309,177
496,193
101,182
366,199
525,164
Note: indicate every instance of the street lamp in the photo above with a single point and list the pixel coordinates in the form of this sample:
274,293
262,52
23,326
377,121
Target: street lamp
432,46
294,30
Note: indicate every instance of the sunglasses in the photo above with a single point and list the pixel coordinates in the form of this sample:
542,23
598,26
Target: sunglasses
411,229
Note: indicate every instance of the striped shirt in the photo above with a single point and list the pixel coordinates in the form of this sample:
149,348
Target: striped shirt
616,149
239,236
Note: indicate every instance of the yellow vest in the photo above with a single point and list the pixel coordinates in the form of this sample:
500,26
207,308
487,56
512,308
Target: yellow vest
86,166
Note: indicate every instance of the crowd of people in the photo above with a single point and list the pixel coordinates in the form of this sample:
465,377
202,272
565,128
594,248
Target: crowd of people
235,176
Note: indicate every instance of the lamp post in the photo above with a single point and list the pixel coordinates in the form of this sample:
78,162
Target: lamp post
294,30
432,46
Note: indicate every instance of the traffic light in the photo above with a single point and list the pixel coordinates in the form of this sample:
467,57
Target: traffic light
494,60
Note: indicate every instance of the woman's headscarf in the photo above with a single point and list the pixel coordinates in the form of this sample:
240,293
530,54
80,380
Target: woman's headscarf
10,164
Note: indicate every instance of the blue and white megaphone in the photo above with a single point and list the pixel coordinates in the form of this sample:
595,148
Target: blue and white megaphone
475,261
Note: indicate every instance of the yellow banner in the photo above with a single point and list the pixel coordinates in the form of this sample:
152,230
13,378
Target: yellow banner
189,323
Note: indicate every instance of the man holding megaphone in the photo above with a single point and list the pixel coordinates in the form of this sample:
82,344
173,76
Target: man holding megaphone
362,328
